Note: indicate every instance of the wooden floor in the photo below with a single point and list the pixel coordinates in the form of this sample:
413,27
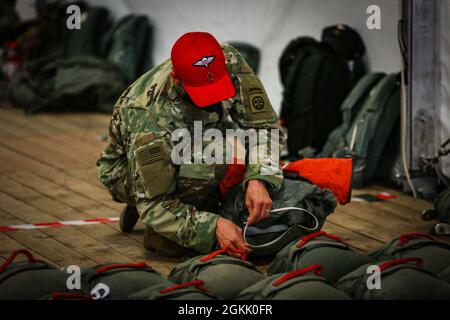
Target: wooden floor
48,173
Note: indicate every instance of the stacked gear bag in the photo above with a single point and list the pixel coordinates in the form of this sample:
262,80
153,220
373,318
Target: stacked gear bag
299,208
441,212
120,281
316,77
95,22
81,83
320,248
370,113
435,254
191,290
222,275
301,284
400,279
34,279
128,46
93,70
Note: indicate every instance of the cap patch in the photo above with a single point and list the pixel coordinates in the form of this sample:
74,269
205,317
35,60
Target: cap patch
203,62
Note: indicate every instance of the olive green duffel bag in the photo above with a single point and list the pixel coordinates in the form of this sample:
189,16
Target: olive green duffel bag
119,281
32,279
192,290
223,275
320,248
435,255
301,284
399,279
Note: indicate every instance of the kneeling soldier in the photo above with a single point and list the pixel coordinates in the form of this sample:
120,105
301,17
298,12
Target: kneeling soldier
203,81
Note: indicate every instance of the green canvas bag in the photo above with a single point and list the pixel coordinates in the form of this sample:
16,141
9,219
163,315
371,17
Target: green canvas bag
192,290
128,45
442,206
320,248
370,129
79,83
223,275
301,284
349,109
119,281
435,254
31,279
400,279
299,208
88,40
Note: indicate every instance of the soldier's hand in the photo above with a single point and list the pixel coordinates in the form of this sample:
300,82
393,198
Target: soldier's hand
229,234
257,201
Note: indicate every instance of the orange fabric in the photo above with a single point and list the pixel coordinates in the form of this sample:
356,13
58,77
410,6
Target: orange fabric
334,174
235,175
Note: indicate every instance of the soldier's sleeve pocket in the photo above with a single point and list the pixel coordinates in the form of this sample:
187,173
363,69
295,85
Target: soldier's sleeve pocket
154,167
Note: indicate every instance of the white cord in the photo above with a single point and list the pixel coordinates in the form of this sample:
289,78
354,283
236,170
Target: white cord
403,133
276,239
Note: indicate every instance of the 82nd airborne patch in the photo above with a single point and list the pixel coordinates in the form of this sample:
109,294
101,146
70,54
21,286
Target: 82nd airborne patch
257,98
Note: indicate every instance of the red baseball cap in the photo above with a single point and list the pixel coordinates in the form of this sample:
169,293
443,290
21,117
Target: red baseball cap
199,63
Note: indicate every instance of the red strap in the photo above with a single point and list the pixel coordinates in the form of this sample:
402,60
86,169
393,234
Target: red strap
14,255
311,236
404,238
388,264
198,284
123,265
213,254
317,268
65,295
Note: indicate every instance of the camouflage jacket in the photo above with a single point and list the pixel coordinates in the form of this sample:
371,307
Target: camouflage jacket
136,165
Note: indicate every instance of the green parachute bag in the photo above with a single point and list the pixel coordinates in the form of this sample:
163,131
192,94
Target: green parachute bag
128,45
88,39
191,290
80,83
370,130
349,109
442,206
301,284
223,275
31,279
320,248
299,208
435,254
119,281
400,279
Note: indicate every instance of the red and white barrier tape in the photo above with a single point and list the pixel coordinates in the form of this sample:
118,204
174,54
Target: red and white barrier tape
57,224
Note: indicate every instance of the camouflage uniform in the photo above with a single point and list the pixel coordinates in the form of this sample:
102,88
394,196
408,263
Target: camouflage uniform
179,201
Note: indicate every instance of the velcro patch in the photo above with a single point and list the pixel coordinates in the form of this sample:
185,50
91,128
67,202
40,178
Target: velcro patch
258,101
149,155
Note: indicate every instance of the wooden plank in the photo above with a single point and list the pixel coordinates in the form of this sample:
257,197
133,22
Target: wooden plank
45,243
10,245
353,239
119,247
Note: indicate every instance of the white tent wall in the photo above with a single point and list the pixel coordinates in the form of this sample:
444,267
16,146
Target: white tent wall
443,87
267,24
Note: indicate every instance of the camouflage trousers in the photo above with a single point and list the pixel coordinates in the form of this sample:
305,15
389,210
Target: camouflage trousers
152,240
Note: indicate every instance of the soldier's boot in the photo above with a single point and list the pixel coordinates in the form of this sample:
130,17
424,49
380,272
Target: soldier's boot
163,246
128,218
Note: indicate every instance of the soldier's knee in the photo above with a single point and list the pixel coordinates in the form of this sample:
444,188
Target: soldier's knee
163,246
